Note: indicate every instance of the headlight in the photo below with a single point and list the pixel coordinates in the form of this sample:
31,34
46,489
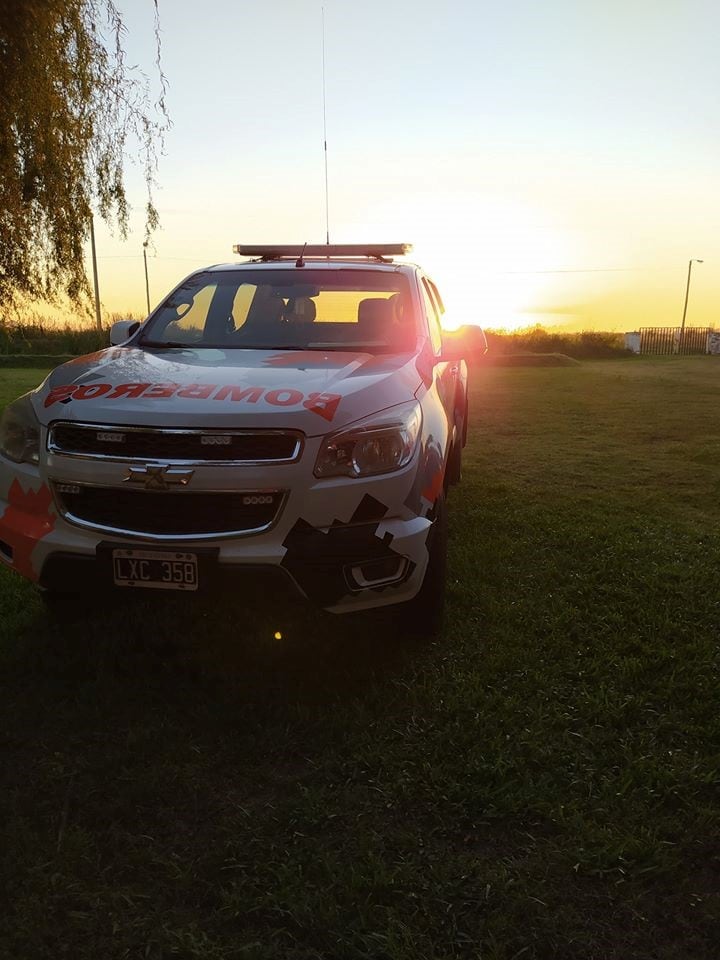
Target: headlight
20,432
379,444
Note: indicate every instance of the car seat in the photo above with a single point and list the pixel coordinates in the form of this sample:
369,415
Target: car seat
300,310
375,318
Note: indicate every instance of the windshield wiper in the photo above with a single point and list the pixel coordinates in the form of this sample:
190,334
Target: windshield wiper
317,345
350,345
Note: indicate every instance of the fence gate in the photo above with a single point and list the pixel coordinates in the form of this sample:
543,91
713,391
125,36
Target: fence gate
666,340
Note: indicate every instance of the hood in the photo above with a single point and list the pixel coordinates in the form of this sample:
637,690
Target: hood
313,391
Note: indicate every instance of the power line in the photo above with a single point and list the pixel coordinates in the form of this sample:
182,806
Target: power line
207,259
588,270
198,259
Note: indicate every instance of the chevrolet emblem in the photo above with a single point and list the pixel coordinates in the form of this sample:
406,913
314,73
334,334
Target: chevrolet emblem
159,478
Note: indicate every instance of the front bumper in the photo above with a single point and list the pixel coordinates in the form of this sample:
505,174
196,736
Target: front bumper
345,544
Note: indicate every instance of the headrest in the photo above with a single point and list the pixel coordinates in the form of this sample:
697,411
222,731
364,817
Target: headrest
300,310
266,307
397,302
375,316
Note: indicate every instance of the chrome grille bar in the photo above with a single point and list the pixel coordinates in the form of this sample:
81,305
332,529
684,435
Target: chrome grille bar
172,445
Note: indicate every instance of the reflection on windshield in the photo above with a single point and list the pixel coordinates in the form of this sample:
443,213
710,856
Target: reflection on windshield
287,309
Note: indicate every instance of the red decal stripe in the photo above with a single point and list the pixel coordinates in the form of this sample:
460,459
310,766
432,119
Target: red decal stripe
323,404
26,521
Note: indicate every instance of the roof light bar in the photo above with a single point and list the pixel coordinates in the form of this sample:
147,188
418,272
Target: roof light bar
279,251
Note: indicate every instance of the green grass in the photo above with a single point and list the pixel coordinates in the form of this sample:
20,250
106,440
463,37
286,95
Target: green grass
541,782
15,382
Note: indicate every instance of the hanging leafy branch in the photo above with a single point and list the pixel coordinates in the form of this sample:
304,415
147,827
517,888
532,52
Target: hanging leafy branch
70,110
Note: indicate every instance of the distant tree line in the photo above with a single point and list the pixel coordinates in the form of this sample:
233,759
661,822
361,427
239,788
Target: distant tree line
39,336
583,345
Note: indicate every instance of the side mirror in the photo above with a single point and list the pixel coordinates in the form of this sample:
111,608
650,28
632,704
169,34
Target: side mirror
466,342
122,330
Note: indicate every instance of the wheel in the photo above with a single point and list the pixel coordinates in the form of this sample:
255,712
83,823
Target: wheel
454,467
422,616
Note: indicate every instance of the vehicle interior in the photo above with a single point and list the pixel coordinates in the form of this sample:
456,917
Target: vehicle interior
356,311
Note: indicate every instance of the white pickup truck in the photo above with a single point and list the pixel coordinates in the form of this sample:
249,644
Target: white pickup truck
298,414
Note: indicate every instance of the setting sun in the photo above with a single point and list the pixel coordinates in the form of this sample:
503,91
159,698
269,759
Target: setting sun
488,257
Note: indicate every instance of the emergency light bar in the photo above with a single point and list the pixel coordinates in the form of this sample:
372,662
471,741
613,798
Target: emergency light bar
278,251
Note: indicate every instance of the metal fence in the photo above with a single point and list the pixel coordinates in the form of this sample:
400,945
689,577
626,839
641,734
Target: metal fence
667,340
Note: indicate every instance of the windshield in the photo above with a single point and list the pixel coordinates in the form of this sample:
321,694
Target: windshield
293,308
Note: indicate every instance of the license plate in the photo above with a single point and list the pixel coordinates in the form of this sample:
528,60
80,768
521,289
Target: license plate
158,570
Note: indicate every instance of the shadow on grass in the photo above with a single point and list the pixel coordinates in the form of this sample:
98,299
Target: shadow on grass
256,660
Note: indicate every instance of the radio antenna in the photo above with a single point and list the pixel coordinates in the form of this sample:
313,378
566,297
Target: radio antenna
327,205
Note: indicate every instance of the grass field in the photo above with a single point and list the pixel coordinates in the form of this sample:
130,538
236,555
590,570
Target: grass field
540,782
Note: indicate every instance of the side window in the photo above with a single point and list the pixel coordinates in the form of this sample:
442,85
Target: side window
436,296
433,317
186,315
241,304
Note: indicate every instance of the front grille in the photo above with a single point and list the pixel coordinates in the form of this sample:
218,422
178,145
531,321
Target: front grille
168,514
174,445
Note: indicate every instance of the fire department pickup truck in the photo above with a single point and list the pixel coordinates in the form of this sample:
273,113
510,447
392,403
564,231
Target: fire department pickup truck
298,414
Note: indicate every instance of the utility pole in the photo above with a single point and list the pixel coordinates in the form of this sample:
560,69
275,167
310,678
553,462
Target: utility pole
327,201
95,274
147,283
687,294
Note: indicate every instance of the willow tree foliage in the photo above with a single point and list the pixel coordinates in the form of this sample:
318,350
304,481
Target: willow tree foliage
71,110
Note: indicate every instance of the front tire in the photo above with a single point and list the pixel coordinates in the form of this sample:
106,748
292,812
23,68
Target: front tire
454,467
423,615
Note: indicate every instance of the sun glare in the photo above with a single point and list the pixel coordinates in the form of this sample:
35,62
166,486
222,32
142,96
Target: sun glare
494,277
486,255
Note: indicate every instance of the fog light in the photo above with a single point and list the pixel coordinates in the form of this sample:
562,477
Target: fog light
67,488
374,573
6,551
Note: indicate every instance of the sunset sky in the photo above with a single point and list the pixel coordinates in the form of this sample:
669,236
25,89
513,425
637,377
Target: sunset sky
551,162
